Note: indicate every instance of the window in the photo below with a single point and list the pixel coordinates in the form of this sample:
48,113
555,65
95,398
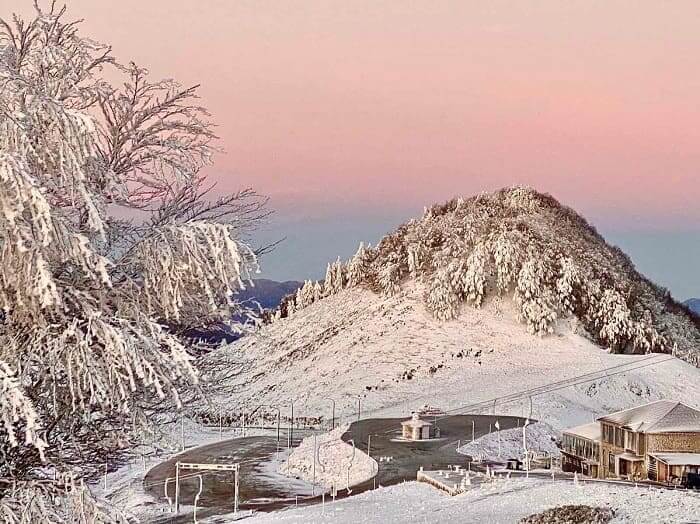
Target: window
611,462
608,434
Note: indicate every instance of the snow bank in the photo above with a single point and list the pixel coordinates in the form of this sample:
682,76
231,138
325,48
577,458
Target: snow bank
337,463
539,437
505,501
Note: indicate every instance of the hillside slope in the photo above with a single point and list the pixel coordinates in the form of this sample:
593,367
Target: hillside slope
394,355
397,325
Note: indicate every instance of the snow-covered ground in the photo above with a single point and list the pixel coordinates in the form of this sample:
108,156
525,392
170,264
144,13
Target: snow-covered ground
502,501
508,443
395,356
338,464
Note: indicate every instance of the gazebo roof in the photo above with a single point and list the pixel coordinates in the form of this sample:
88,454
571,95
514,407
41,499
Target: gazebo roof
416,422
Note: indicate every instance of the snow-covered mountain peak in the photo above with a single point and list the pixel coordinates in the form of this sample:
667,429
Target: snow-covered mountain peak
520,244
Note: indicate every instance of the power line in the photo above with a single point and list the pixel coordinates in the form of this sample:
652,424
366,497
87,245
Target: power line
562,384
558,385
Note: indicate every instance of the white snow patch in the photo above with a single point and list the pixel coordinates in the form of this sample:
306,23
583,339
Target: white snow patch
501,501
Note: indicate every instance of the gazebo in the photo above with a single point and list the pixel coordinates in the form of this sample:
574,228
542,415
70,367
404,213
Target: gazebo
416,429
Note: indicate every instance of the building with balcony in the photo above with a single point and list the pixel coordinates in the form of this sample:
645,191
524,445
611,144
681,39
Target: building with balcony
580,451
659,441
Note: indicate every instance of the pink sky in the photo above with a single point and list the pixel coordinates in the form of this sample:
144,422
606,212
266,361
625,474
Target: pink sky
399,104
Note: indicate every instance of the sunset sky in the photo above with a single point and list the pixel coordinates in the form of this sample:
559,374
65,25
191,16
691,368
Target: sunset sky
353,115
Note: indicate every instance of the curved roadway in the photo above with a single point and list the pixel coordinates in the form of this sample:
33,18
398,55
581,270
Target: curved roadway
262,488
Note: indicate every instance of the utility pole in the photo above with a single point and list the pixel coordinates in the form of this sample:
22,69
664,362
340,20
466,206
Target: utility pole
359,407
278,429
291,427
369,442
472,430
313,485
333,416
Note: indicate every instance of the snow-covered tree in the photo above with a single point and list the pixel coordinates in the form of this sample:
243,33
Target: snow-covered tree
538,306
339,278
357,267
307,293
318,291
329,281
299,299
442,299
93,303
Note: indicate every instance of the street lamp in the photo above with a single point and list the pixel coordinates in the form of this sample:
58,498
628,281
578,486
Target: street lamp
333,417
290,433
359,407
279,417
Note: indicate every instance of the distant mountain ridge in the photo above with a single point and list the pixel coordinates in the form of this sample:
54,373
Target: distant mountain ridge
268,293
693,304
262,294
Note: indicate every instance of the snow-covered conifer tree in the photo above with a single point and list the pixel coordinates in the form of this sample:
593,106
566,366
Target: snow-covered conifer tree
299,299
339,278
357,267
318,291
307,294
329,282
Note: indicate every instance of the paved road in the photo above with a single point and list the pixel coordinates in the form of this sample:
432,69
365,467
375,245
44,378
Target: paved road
408,457
263,489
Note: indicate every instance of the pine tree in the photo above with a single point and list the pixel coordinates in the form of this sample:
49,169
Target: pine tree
339,278
357,267
329,282
307,294
299,299
318,291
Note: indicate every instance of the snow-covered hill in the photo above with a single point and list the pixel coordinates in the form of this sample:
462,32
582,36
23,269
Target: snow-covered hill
394,355
397,326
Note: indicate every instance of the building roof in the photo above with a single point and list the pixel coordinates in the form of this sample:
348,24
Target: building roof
590,431
415,422
630,456
678,459
663,416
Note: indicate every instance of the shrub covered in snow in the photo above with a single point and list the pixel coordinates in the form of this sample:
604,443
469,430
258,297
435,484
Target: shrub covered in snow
539,437
572,514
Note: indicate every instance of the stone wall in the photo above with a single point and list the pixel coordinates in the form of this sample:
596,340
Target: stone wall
688,442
